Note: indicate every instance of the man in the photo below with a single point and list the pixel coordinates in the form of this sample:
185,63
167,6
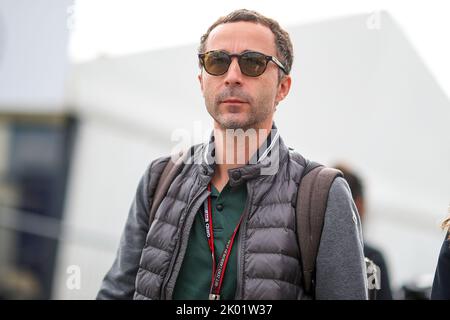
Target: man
357,189
230,213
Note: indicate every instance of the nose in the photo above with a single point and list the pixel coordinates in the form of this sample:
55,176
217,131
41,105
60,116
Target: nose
233,77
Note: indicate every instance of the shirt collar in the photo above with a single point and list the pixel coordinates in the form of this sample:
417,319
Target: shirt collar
261,160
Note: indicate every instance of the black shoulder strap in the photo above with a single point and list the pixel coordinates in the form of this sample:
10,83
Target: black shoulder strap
312,201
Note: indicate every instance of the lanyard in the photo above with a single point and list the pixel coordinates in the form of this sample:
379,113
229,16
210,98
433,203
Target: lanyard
218,271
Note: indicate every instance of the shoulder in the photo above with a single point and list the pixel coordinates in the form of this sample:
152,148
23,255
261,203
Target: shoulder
444,259
441,283
341,211
340,196
445,250
154,169
157,165
339,188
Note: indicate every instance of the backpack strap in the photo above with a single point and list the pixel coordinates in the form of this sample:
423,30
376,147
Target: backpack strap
170,172
312,201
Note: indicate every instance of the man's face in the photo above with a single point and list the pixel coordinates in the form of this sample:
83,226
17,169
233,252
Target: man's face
235,100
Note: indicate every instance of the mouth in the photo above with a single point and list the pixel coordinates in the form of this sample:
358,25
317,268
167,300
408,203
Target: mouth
233,100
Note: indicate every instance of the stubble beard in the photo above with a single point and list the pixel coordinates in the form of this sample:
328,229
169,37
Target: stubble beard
256,112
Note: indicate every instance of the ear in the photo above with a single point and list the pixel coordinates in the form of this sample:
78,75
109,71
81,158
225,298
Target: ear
283,88
200,79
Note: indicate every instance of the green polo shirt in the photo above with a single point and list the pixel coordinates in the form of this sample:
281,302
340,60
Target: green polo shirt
194,279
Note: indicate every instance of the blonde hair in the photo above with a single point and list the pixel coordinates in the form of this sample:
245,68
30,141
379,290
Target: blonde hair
446,226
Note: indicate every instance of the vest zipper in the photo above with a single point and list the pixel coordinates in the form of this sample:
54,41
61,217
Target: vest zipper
182,242
241,239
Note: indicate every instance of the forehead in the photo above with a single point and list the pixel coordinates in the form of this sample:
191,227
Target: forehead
236,37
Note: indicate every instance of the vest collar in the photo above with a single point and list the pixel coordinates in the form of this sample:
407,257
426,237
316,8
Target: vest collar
265,161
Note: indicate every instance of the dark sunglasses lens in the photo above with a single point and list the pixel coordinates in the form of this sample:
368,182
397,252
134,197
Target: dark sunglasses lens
216,62
253,64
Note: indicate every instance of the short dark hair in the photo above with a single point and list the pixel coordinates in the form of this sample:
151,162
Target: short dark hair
282,40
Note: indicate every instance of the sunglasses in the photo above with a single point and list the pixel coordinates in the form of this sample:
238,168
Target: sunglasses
251,63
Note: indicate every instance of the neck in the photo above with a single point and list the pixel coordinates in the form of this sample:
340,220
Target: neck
234,148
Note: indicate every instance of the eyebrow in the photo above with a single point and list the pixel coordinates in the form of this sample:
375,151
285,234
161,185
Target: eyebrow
244,51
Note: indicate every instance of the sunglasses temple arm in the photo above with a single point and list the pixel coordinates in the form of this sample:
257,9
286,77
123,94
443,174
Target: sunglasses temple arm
278,63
